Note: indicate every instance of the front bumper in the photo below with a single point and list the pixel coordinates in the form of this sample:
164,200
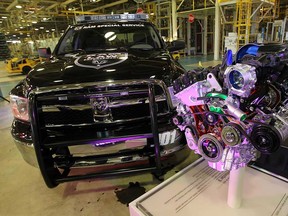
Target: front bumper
27,151
22,135
53,142
111,164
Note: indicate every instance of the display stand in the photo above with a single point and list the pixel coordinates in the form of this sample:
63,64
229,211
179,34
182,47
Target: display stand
235,188
200,190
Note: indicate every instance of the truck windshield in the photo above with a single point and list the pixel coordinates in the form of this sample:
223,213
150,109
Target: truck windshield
93,37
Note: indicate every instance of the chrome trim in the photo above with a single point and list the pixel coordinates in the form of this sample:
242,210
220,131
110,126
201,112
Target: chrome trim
40,90
106,123
27,151
113,104
164,96
55,108
119,160
103,84
26,144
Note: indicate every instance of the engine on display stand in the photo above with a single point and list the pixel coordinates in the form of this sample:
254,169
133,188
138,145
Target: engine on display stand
232,113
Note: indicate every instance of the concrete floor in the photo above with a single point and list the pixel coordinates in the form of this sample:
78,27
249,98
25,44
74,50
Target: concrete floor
23,191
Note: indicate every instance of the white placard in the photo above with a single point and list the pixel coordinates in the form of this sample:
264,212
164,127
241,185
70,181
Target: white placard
200,190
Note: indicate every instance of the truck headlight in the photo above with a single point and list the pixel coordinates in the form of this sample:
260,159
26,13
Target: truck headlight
19,106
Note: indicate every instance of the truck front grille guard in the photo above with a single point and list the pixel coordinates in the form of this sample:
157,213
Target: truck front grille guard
44,150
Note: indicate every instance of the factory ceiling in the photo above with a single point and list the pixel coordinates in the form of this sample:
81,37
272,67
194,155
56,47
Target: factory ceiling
23,18
41,18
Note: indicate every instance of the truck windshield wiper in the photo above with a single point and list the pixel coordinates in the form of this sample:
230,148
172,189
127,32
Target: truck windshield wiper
74,52
141,46
121,49
107,49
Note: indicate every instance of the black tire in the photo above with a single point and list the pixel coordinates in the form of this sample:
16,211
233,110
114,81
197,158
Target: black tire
26,69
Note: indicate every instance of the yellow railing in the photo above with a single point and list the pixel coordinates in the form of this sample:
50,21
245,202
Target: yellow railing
228,1
150,8
224,1
271,1
243,21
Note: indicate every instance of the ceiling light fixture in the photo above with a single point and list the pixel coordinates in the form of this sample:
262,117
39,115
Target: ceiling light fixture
4,17
34,22
18,6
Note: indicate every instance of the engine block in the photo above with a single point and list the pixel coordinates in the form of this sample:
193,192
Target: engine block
232,113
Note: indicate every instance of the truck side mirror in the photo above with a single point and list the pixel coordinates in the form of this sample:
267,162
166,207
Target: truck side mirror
176,45
44,52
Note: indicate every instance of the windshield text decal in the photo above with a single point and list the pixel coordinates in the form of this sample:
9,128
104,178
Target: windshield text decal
111,25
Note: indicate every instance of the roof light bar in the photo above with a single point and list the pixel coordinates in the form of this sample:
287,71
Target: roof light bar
113,17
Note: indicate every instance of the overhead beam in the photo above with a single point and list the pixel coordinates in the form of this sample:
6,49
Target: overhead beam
52,6
4,14
48,1
79,12
67,2
180,5
109,5
12,5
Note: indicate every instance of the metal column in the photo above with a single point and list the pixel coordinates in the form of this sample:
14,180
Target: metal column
174,20
205,35
188,38
217,31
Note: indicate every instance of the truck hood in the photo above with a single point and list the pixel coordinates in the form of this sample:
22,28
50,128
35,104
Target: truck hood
102,66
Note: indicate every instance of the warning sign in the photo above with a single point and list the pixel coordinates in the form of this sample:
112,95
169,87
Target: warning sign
191,18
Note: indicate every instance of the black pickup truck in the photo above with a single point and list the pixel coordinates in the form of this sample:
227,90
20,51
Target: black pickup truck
102,99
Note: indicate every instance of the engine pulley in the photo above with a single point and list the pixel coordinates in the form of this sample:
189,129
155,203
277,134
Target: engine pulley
210,147
211,118
231,135
265,139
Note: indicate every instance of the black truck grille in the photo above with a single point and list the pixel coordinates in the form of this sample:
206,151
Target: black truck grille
68,117
136,111
97,114
100,105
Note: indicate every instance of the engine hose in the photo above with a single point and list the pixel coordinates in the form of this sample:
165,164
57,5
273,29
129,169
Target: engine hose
230,108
